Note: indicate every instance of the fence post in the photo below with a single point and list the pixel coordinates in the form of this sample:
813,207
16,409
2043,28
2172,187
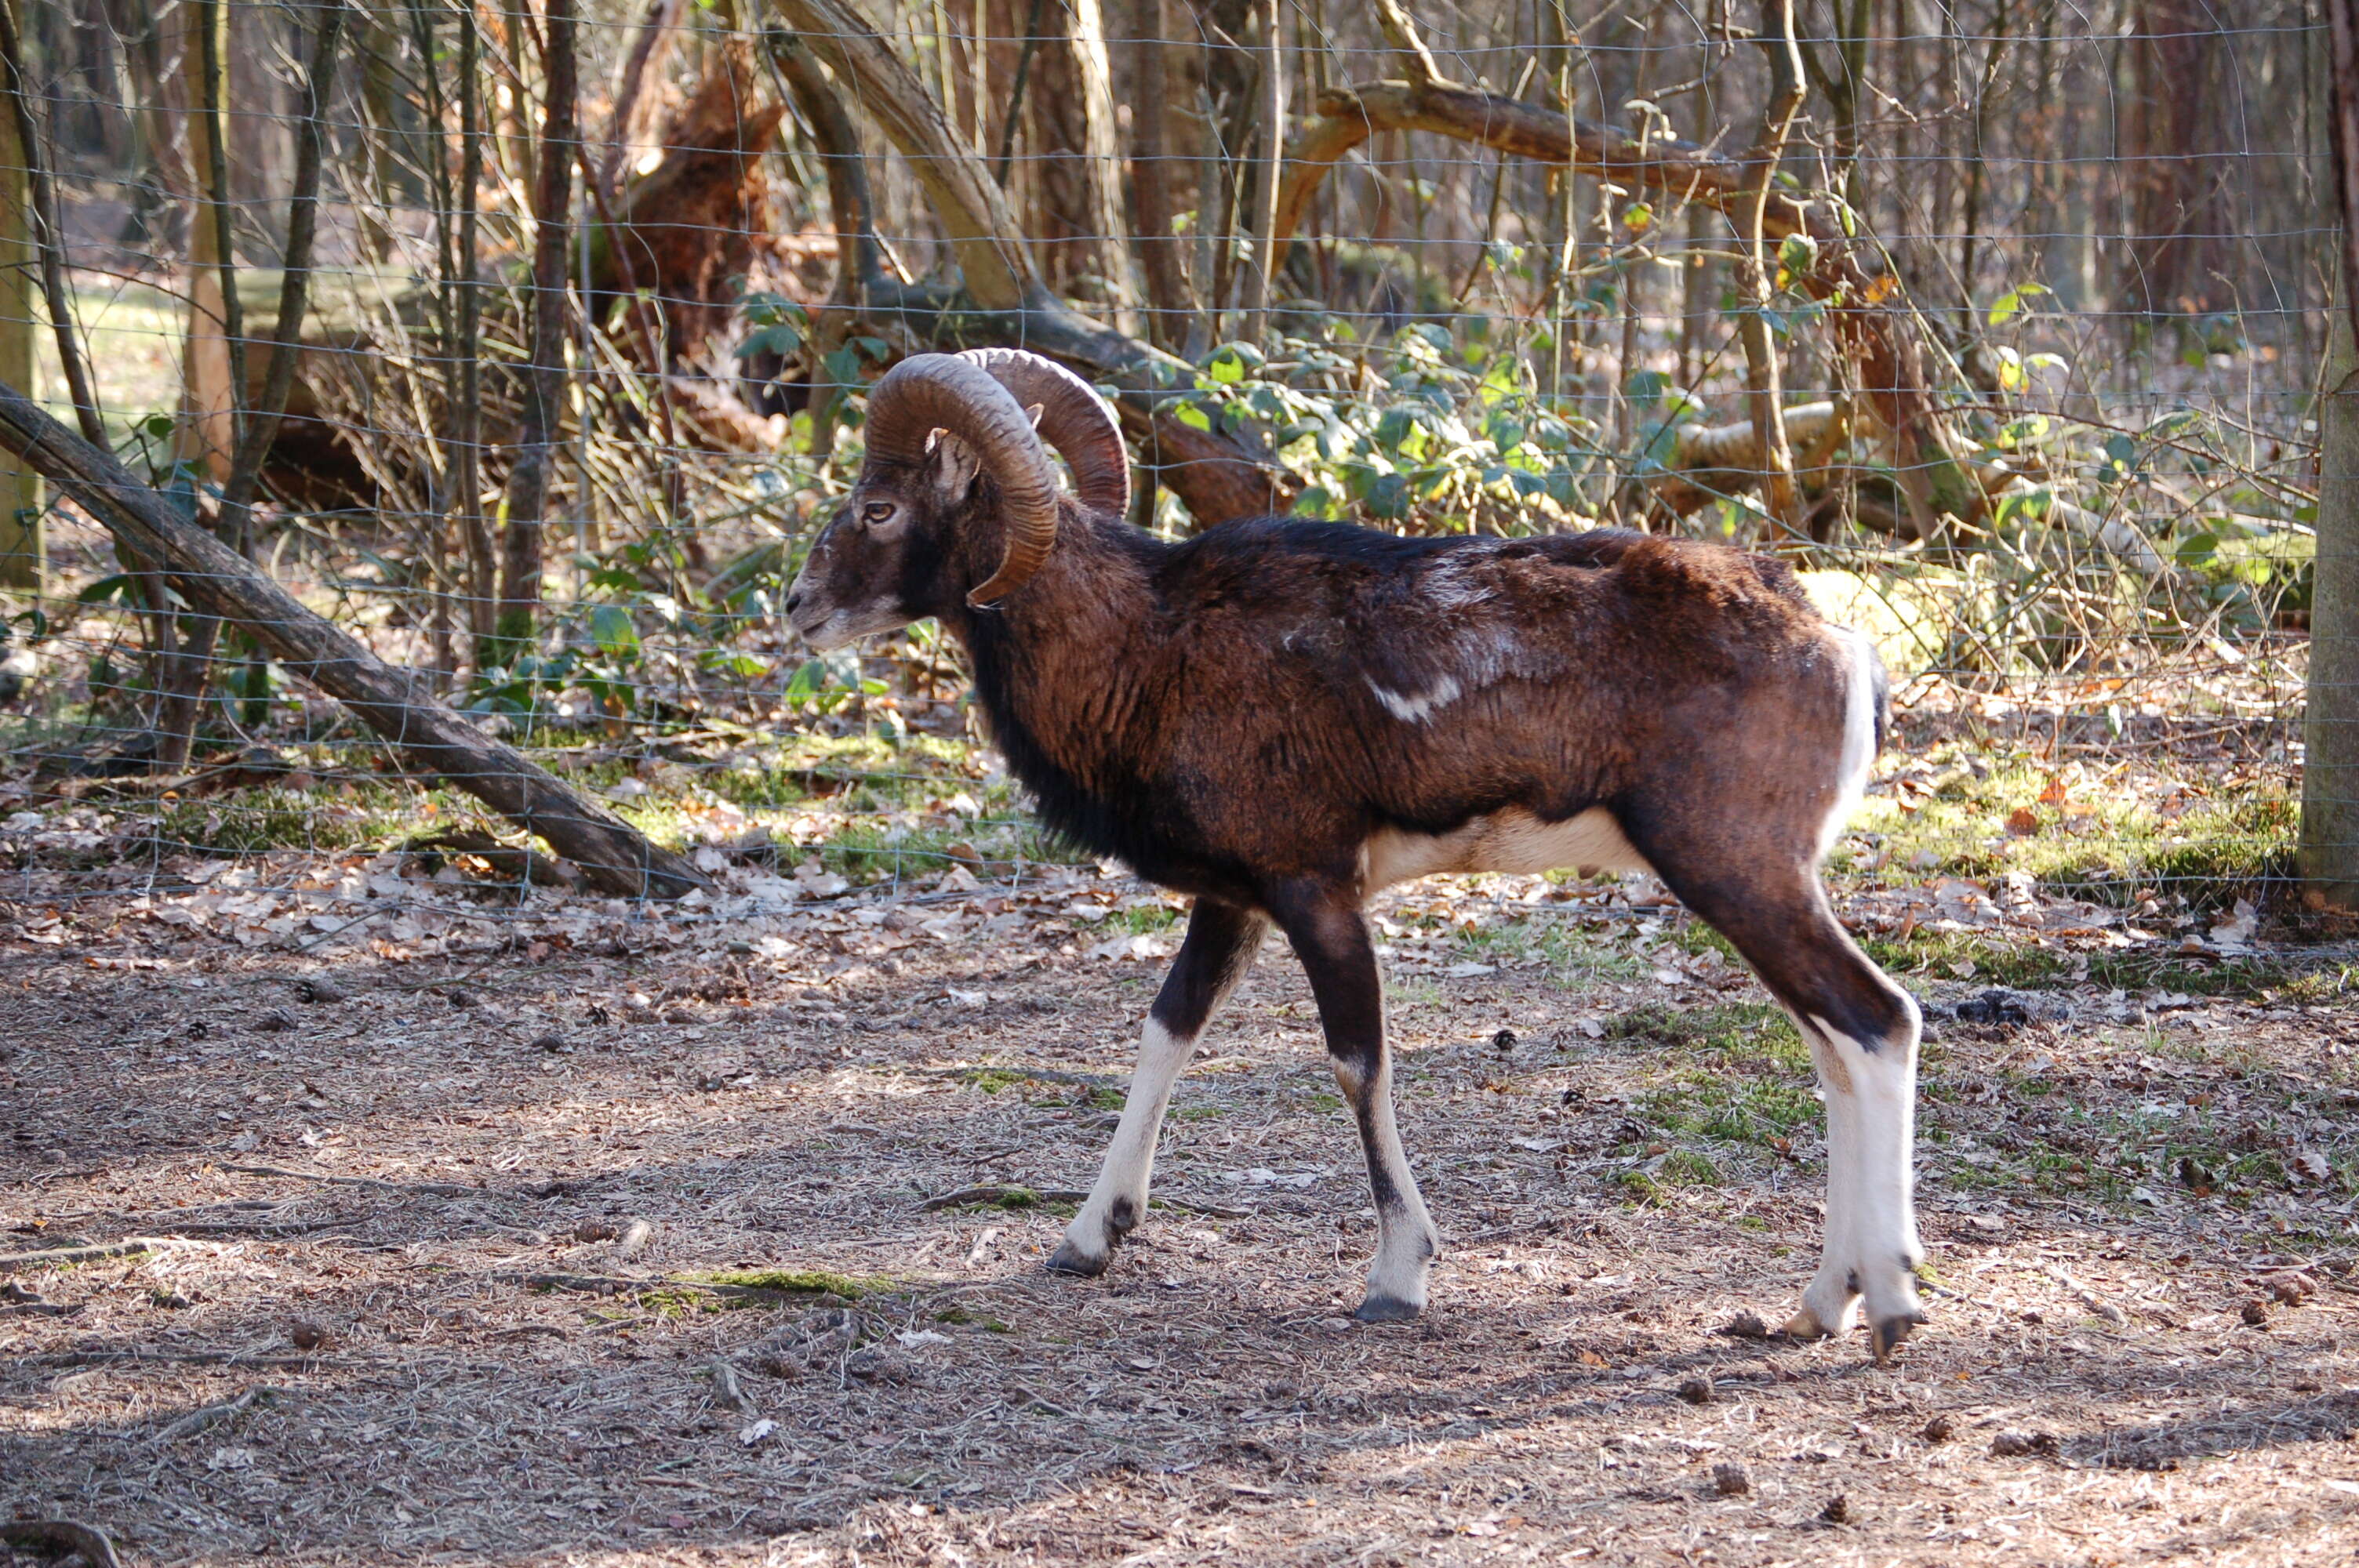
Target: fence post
2329,780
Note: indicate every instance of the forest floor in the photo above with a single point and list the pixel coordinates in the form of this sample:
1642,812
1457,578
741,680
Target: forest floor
564,1233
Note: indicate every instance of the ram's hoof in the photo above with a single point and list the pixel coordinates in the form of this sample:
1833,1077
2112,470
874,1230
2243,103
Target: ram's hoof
1069,1259
1884,1336
1804,1326
1387,1309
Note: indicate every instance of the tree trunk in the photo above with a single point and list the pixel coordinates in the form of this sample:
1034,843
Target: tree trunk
1152,171
544,380
176,715
23,560
1763,395
380,40
1102,168
392,702
1261,280
2174,129
207,434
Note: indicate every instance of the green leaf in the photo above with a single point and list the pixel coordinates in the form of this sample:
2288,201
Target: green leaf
1645,387
2197,549
1230,364
1796,256
736,665
2011,304
1388,497
1395,425
844,367
611,629
2031,504
780,339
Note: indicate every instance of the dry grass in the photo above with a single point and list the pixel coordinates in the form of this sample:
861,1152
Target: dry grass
461,1350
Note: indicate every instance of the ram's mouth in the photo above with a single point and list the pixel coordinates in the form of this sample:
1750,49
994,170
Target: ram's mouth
822,634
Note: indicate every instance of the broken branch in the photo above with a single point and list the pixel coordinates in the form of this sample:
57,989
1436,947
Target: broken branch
615,856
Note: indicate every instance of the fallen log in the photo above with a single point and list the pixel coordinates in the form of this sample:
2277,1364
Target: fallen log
431,737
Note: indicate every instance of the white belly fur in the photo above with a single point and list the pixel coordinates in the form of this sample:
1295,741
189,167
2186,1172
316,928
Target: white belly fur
1512,840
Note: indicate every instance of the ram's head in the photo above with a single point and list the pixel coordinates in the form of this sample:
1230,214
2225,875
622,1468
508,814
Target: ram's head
957,502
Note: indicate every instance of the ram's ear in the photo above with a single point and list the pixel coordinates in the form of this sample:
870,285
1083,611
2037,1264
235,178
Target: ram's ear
954,466
1033,413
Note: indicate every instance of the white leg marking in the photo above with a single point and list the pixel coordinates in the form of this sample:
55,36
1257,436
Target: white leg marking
1118,1201
1872,1249
1406,1240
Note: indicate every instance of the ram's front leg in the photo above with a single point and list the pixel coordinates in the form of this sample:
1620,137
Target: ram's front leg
1221,941
1331,938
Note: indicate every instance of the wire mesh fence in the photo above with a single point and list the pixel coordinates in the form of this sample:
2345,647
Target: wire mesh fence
528,347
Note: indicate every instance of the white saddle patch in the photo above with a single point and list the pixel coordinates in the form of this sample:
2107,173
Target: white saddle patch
1419,708
1511,841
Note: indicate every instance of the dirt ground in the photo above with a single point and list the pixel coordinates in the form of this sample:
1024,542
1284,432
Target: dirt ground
404,1219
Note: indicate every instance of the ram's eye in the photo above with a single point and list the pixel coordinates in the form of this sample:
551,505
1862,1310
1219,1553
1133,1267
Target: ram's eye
877,512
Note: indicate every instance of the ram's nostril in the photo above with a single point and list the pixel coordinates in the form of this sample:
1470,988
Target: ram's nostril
793,602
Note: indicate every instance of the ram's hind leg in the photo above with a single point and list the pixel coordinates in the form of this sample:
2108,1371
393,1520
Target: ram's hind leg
1331,938
1220,948
1862,1031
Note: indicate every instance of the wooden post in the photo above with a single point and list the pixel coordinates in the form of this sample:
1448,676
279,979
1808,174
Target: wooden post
2330,775
23,559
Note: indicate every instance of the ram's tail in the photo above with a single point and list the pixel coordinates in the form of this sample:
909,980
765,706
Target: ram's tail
1867,719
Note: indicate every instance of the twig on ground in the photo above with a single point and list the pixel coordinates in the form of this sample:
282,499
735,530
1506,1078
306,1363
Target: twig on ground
1012,1070
725,1388
198,1420
1004,1196
610,1285
139,1353
17,1263
431,1189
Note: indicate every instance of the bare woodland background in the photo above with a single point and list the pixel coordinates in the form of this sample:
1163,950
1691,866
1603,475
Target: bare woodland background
506,1057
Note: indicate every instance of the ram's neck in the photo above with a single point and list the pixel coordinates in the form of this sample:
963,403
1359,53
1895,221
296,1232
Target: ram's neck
1063,663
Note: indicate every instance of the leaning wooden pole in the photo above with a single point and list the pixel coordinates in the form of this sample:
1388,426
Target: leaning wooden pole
431,739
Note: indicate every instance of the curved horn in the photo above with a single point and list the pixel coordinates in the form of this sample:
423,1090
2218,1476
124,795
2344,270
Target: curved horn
929,391
1073,418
